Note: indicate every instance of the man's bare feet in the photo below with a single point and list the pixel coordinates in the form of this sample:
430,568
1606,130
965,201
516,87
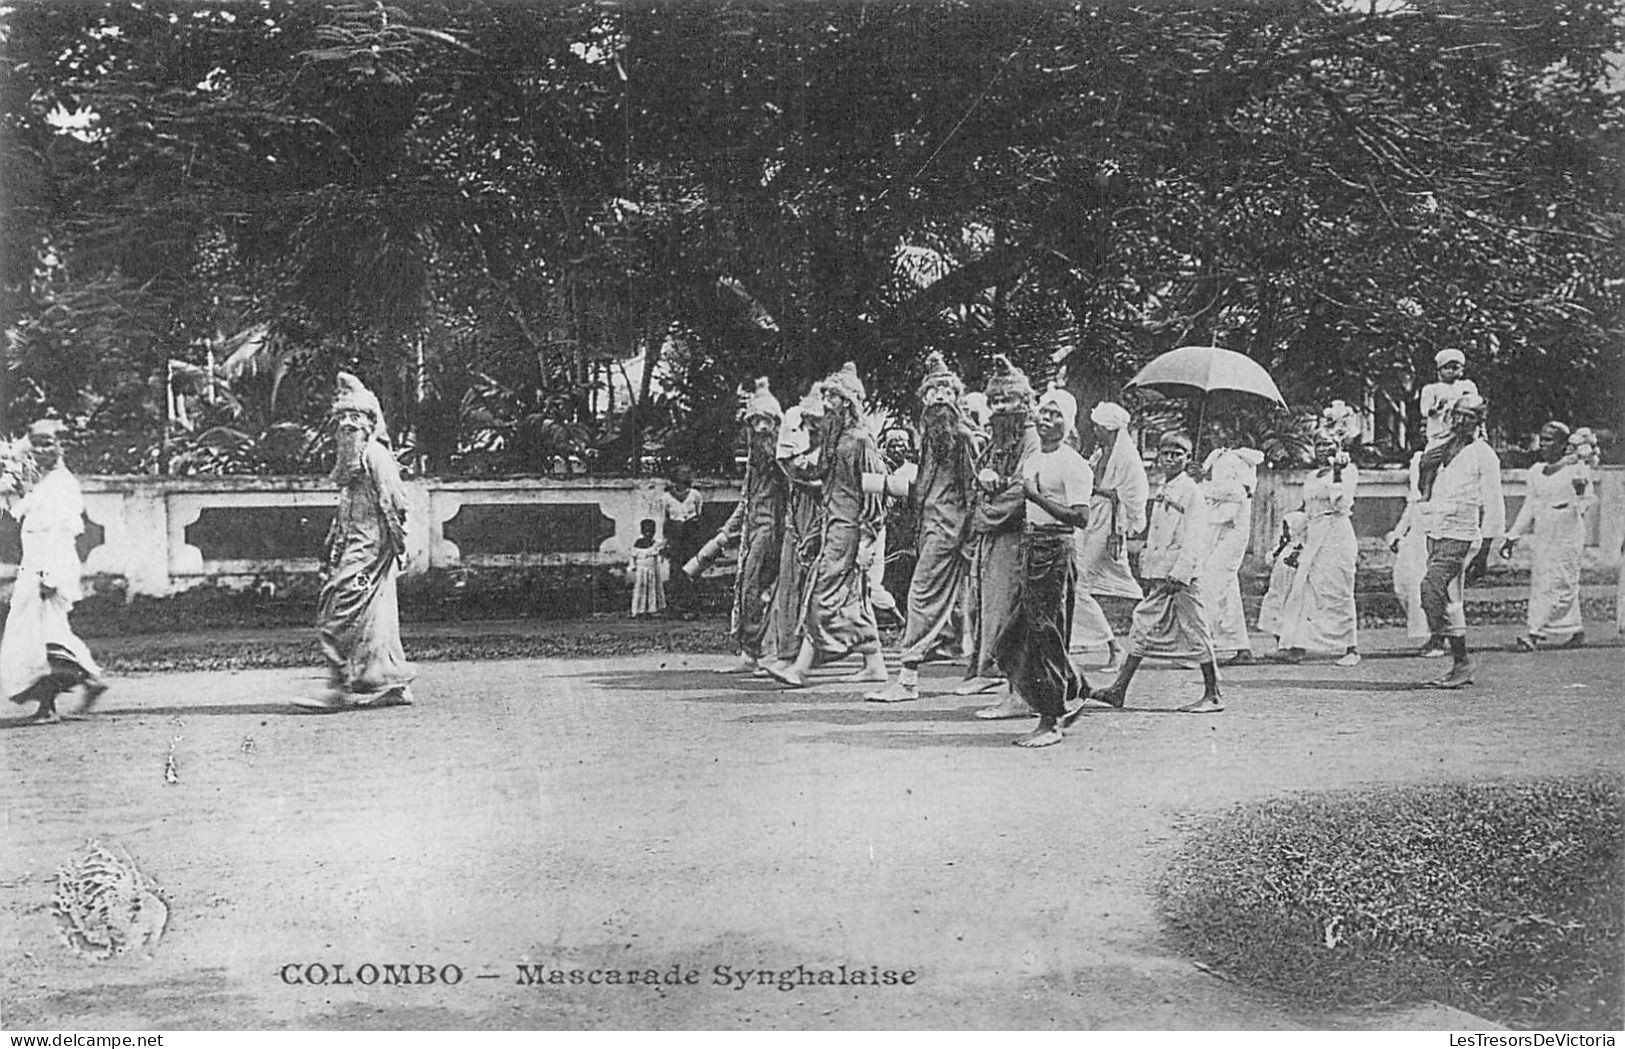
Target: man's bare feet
789,675
95,689
395,697
45,715
743,665
1460,676
1011,706
1208,704
896,692
329,702
1047,734
977,685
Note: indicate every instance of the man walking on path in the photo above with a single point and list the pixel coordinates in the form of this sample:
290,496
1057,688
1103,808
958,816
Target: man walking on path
797,454
1459,481
1057,485
941,494
757,525
1116,512
996,525
40,655
838,618
357,616
1171,621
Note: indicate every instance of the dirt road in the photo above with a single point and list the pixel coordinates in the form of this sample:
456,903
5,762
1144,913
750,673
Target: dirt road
647,813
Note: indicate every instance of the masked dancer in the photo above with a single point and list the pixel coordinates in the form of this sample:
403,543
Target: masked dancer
757,525
357,616
838,618
797,454
996,524
941,493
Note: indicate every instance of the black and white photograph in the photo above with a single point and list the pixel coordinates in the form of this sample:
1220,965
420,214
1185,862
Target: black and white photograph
812,516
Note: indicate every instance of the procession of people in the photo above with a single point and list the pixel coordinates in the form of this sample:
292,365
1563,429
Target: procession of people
1019,535
1019,522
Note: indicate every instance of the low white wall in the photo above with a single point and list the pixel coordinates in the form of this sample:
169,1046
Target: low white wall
164,535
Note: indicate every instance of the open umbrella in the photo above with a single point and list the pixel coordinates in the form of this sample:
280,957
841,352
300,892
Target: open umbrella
1193,372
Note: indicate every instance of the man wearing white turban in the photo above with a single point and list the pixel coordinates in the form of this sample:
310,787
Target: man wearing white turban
1057,485
1116,511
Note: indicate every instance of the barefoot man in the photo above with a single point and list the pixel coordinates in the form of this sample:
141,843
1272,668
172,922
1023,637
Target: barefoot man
40,655
357,617
1057,484
1170,621
757,525
797,454
839,618
1116,512
996,523
941,494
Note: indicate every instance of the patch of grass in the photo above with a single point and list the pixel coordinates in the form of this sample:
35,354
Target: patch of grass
1503,899
561,641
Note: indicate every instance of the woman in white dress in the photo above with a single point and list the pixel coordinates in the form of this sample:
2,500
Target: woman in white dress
1556,494
1319,613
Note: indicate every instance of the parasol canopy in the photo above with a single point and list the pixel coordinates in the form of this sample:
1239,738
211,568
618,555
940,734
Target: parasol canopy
1195,371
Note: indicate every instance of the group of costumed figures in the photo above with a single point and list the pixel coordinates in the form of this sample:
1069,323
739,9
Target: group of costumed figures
1018,537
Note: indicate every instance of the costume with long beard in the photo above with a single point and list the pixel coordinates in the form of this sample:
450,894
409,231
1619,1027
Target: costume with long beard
838,618
357,614
758,523
942,494
997,517
803,520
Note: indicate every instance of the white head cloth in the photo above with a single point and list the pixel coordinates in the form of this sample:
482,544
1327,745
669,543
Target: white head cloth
1109,416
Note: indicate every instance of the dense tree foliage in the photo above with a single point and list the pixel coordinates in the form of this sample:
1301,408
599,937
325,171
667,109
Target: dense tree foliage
483,206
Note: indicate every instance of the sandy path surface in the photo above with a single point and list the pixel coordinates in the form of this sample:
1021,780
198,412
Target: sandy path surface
647,812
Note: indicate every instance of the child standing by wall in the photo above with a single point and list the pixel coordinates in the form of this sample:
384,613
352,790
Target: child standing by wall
647,569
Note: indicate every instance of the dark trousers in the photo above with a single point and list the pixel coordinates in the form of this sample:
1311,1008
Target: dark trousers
1447,560
682,543
1032,648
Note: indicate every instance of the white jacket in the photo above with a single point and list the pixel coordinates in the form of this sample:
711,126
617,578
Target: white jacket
1177,539
1466,502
